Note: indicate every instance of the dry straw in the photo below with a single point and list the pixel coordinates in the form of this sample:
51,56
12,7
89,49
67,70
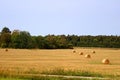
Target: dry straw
74,51
87,56
6,50
93,51
105,61
81,53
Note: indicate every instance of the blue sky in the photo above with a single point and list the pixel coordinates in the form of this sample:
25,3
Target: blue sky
79,17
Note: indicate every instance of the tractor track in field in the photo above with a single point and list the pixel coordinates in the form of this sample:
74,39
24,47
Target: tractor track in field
67,76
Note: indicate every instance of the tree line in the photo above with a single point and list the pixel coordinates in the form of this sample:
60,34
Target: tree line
23,40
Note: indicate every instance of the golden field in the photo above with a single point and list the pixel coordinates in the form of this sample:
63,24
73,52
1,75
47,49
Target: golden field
23,60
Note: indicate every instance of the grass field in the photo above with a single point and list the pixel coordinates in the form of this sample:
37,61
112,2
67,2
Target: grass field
25,61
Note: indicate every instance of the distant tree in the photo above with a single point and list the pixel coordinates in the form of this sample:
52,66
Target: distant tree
5,30
40,42
61,41
50,42
57,42
21,39
15,39
25,39
5,37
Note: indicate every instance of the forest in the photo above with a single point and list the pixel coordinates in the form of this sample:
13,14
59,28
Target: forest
23,40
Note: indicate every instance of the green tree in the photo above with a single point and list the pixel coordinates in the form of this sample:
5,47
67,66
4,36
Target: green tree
21,39
15,39
5,38
40,42
50,42
5,30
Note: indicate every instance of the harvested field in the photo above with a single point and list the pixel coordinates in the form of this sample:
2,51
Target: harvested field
24,60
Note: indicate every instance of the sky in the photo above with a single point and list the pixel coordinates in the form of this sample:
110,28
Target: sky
78,17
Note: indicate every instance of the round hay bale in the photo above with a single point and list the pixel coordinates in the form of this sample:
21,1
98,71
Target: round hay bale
105,61
74,51
87,56
81,53
6,50
93,51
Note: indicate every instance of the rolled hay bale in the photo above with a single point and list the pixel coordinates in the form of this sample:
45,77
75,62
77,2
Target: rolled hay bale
74,51
81,53
93,51
6,50
105,61
87,56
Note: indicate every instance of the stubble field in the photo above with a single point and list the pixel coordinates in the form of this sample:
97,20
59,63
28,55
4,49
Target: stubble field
24,60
